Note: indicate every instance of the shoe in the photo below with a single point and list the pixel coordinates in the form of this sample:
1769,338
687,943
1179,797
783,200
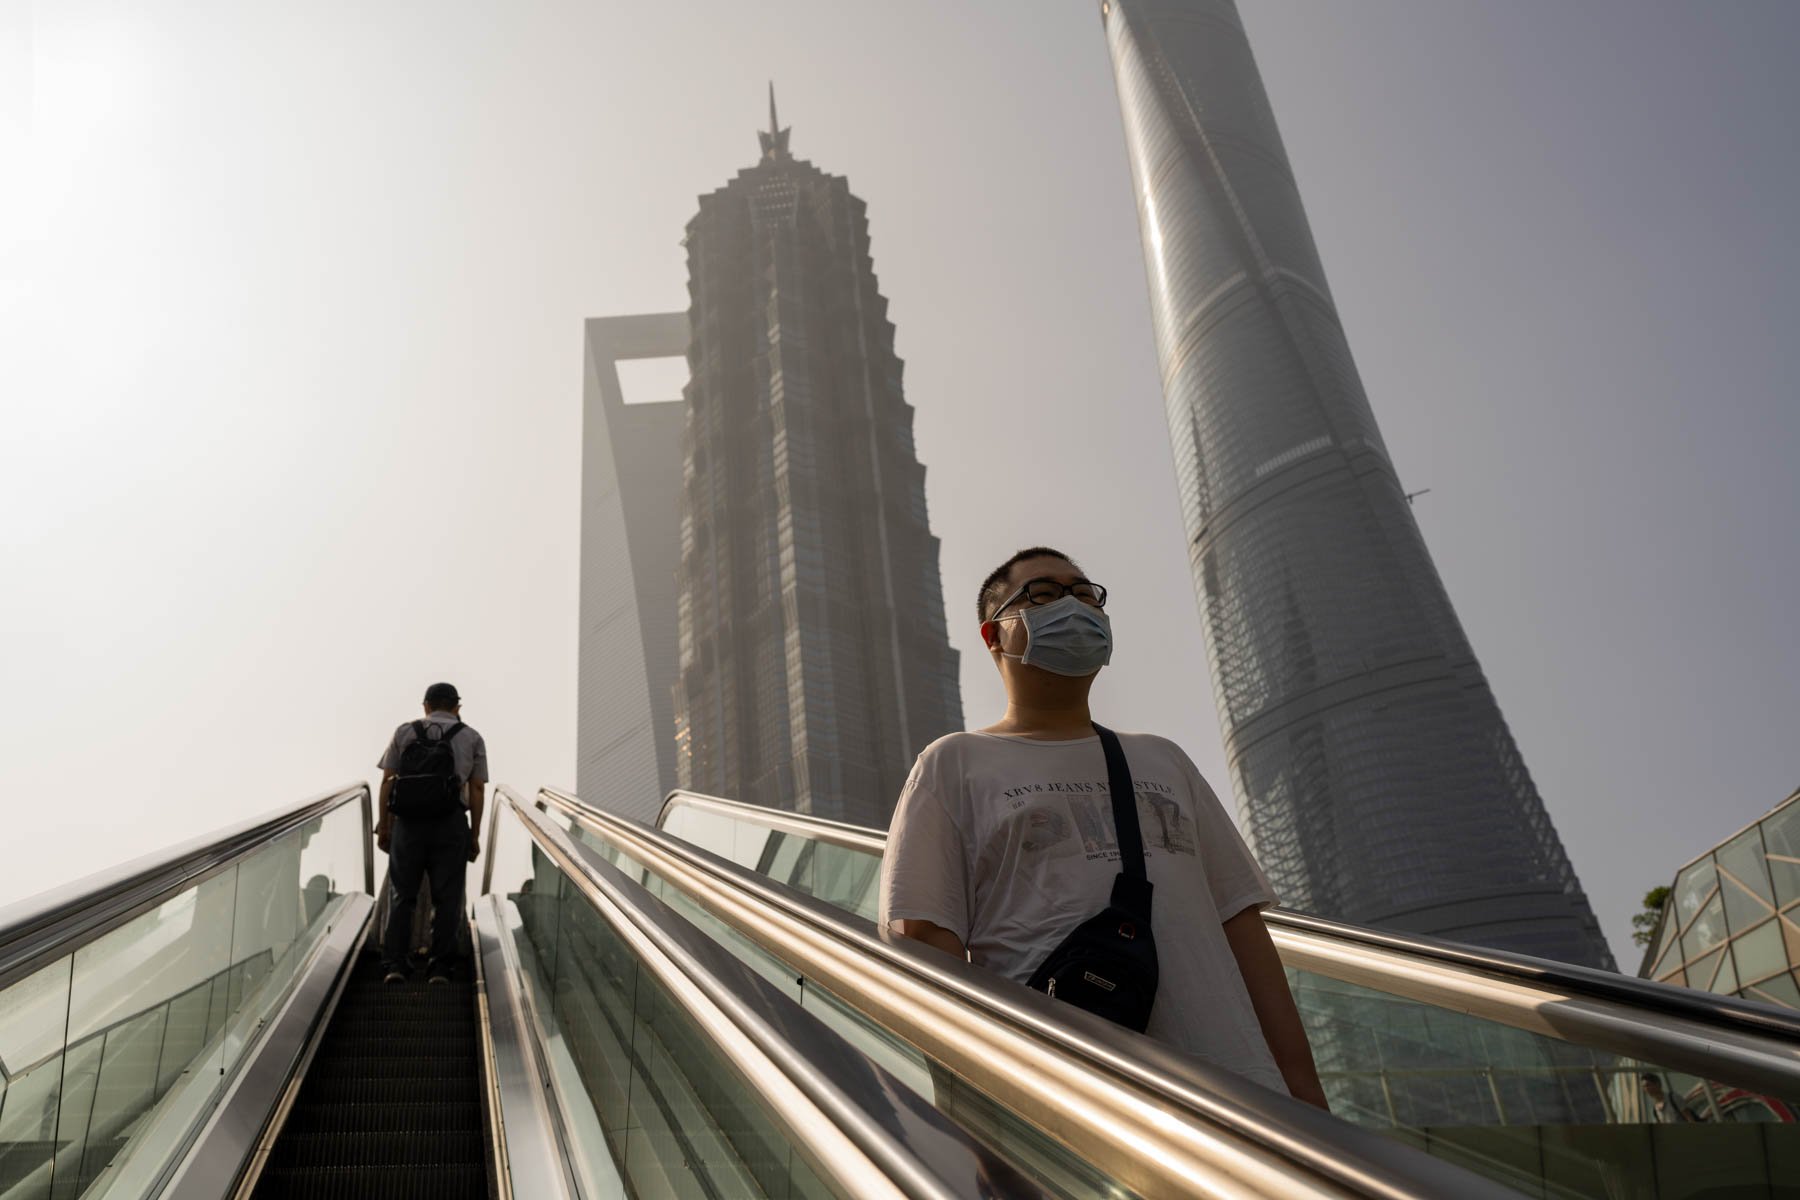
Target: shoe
393,977
439,974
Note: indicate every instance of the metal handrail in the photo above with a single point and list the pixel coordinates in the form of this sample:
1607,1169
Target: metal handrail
1725,1012
42,928
1750,1017
531,1157
1166,1123
799,1069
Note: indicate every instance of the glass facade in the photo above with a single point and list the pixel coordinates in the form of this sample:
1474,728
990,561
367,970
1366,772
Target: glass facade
814,663
1731,923
1372,767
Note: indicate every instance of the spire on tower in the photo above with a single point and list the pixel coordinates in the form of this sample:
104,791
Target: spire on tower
774,142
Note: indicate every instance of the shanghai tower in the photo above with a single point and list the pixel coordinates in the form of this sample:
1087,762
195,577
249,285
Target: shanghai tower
814,662
1372,767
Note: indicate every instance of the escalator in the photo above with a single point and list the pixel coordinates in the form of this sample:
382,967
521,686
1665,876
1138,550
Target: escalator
1532,1073
704,1009
209,1022
391,1104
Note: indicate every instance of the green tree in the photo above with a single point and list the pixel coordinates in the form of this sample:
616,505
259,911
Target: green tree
1644,924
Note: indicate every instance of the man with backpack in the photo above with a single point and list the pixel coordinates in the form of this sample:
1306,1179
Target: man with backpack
1096,867
433,773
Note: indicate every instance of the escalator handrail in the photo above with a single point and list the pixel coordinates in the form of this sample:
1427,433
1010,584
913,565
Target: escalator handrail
42,928
1739,1015
1334,1154
1727,1012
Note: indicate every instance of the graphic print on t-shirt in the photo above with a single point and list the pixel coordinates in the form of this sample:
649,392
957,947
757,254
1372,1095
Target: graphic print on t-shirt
1008,842
1050,811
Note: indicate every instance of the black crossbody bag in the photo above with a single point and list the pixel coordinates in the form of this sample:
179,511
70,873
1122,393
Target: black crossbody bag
1108,964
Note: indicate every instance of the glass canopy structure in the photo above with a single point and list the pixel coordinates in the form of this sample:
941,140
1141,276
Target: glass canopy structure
1731,923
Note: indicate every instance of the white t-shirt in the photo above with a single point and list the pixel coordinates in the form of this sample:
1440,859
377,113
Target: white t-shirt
1008,843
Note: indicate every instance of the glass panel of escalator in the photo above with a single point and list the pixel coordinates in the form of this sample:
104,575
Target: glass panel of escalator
34,1014
126,988
1544,1116
1039,1156
739,841
651,1108
280,900
842,876
155,1014
288,893
1541,1115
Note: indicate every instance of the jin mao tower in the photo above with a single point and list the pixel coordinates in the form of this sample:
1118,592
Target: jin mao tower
814,661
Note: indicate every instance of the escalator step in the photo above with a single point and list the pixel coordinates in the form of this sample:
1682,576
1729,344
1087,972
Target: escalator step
387,1000
352,1067
354,1088
396,1031
376,1049
390,1108
463,1115
422,1019
374,1183
381,1149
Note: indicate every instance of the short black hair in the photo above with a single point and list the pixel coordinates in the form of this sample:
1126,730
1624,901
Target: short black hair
993,588
442,697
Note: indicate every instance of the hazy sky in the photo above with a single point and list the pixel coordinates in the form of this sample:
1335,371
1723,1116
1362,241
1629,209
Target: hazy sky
293,383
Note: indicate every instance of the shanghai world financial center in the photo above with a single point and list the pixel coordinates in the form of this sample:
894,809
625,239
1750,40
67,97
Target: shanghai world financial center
809,660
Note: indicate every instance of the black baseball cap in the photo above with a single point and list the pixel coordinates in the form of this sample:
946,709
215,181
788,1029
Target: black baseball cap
442,695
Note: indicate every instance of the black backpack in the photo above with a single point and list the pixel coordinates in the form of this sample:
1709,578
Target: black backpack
1108,965
427,783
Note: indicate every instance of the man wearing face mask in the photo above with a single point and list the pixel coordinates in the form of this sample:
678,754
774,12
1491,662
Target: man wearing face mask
1004,845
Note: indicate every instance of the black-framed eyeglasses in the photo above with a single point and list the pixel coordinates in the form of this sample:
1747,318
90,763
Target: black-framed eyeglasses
1049,591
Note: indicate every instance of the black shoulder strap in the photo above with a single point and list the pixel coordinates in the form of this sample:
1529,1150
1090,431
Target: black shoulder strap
452,731
418,728
1124,805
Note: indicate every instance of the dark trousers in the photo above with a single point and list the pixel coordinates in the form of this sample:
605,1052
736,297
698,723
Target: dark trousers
434,848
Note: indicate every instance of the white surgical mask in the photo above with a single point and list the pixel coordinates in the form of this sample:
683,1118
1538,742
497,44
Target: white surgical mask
1065,637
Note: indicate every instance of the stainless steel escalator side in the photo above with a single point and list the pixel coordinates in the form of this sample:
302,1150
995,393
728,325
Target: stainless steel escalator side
40,928
1744,1042
1166,1124
861,1131
528,1157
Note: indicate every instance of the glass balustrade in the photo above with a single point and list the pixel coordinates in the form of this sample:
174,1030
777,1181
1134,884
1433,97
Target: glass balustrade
1547,1117
652,1109
111,1058
842,873
843,876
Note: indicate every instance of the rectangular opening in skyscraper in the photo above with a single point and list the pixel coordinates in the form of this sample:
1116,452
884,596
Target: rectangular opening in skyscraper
651,380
